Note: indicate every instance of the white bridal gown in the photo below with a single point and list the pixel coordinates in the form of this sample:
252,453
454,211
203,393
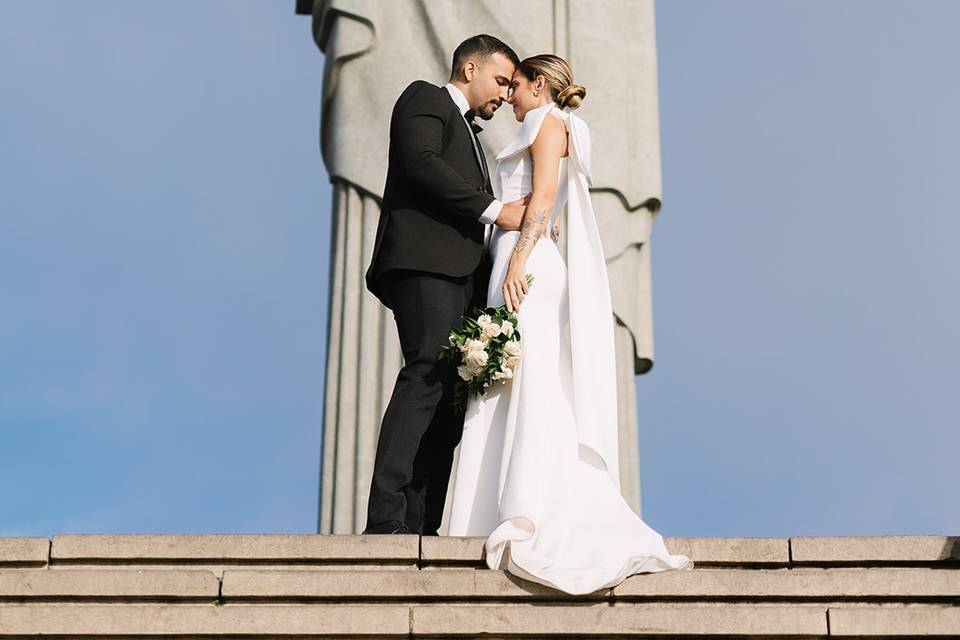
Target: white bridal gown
538,473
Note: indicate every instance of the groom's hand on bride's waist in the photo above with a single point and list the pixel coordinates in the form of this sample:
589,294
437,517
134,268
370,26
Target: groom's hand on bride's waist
511,215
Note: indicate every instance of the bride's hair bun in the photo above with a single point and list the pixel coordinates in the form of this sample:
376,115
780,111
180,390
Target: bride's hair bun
559,77
571,96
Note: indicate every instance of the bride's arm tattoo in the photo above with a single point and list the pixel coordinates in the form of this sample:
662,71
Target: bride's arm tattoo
528,230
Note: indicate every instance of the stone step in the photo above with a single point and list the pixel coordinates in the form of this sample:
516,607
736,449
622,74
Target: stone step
260,548
26,552
453,620
905,621
468,551
412,551
625,620
189,620
260,586
899,584
217,553
31,584
874,549
869,585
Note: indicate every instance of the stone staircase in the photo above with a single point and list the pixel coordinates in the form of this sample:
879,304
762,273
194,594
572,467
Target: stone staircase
348,586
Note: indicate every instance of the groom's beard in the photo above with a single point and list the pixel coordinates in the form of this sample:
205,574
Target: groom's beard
486,110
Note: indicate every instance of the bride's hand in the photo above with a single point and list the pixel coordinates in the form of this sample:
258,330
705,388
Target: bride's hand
515,285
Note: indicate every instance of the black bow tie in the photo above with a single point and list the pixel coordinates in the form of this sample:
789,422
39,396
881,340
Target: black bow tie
470,115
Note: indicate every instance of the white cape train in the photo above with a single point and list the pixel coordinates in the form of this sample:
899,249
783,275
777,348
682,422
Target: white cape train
538,467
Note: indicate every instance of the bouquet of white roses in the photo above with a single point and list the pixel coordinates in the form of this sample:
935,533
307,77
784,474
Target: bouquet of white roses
485,349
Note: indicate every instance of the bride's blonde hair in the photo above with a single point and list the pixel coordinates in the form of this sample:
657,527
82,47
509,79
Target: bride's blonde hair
559,78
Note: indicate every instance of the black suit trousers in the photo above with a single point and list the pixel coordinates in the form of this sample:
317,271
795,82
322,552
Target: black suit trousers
419,430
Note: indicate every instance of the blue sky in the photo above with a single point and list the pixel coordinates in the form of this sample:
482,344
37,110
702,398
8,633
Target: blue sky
164,249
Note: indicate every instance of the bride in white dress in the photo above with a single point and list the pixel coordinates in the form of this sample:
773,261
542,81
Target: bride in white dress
538,465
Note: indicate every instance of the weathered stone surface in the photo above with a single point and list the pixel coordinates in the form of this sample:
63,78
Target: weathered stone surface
601,619
263,547
452,549
828,549
218,568
37,583
318,586
904,620
192,620
885,582
447,583
772,551
32,551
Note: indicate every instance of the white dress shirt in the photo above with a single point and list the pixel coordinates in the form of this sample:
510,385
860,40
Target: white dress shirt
490,214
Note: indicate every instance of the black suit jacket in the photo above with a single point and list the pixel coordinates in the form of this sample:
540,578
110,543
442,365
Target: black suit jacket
434,195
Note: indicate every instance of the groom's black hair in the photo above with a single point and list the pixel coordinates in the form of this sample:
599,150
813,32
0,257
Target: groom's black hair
480,46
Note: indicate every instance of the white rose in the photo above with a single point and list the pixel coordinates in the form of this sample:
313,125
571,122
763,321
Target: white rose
512,348
507,328
464,372
476,359
511,361
491,330
484,320
473,345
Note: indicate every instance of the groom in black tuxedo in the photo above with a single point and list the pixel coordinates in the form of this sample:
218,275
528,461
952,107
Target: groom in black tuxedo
430,266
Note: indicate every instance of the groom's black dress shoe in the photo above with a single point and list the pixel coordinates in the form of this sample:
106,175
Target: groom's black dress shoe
388,527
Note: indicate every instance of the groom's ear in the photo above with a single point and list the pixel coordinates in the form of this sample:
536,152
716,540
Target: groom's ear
469,70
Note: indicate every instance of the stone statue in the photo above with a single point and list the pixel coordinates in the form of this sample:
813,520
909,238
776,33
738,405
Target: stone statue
373,50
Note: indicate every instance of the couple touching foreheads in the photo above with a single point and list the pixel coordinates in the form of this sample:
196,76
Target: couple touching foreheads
538,464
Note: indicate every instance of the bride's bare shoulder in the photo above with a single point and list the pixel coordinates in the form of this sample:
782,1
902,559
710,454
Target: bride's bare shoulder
551,139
